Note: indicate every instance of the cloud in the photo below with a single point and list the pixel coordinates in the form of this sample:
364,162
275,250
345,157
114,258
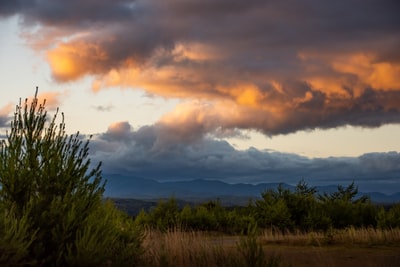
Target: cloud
273,66
5,115
104,108
145,153
118,131
52,99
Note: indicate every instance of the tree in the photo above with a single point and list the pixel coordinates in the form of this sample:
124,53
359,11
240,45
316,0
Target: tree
272,209
344,209
390,218
165,215
46,179
305,210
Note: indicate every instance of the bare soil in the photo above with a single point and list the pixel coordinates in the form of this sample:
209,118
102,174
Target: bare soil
334,255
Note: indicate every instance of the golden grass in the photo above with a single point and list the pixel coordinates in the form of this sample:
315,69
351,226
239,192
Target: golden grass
351,235
189,248
178,248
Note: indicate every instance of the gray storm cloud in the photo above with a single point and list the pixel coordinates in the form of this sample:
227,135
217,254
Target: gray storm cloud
139,153
273,66
3,121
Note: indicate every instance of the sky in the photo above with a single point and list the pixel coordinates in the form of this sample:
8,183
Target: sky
239,91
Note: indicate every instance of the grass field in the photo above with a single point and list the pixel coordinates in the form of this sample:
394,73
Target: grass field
350,247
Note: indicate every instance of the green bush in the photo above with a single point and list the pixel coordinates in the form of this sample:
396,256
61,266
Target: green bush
107,236
272,210
344,209
51,196
165,215
15,238
389,219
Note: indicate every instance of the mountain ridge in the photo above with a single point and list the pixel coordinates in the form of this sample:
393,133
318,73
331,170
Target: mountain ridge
123,186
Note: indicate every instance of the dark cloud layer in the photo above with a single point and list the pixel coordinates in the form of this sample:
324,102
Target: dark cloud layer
146,153
276,66
5,115
3,121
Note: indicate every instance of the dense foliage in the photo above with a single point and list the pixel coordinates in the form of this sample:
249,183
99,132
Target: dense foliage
51,206
300,209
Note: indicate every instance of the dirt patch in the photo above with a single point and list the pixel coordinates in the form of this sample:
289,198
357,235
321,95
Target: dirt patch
336,255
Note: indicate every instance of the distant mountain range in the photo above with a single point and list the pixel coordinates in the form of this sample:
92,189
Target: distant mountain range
120,186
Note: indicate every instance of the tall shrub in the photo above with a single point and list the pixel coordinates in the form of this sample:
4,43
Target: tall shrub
46,179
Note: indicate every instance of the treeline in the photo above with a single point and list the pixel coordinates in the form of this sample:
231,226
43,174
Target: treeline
300,209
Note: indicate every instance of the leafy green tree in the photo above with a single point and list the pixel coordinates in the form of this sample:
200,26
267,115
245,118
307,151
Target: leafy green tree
272,209
390,218
203,219
165,215
46,179
347,194
142,220
344,209
287,209
186,217
300,204
305,209
217,215
239,219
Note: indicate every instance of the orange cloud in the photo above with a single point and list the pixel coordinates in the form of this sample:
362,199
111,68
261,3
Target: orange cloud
52,100
245,94
70,61
195,51
378,75
6,110
167,81
119,127
385,76
349,74
331,83
192,119
170,80
253,70
52,103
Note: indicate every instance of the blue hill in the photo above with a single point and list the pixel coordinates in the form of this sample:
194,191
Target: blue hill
120,186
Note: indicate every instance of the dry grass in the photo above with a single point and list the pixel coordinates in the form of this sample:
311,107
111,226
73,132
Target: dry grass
349,247
177,248
348,236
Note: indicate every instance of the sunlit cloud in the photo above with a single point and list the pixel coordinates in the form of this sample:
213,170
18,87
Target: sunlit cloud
52,99
118,130
273,67
72,61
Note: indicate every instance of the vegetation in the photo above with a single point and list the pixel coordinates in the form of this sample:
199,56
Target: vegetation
52,212
272,247
299,210
51,202
211,235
